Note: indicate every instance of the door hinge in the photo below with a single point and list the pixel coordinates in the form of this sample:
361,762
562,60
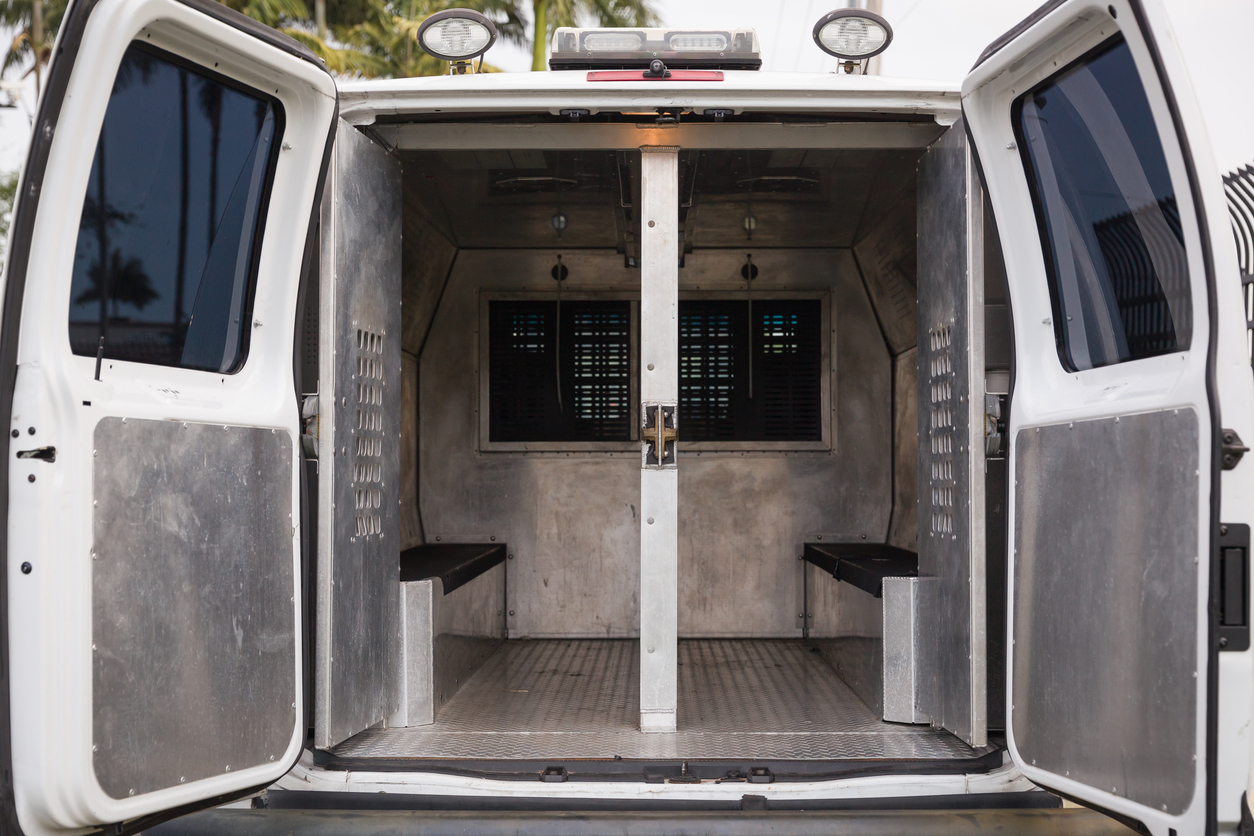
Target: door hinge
310,427
1234,587
994,426
1232,448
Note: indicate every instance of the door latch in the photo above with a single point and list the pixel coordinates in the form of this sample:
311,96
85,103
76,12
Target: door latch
310,427
1234,586
659,433
44,454
994,426
1231,449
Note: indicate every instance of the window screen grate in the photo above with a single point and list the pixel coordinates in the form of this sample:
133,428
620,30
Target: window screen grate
714,371
595,354
711,351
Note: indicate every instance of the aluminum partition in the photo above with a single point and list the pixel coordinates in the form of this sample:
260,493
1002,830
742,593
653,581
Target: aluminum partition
659,477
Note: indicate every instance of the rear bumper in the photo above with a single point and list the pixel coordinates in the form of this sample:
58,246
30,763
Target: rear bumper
279,822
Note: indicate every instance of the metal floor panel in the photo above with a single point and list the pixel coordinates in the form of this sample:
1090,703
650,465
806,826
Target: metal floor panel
738,699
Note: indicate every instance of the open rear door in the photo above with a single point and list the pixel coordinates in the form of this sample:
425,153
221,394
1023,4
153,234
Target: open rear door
1128,610
153,543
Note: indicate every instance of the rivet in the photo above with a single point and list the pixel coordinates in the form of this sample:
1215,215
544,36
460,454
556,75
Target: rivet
651,223
30,430
650,367
16,433
650,648
650,520
26,568
493,538
511,612
510,557
30,478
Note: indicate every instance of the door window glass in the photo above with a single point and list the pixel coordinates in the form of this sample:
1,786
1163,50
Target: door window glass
1107,213
169,233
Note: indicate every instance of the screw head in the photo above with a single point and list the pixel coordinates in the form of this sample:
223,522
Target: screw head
26,568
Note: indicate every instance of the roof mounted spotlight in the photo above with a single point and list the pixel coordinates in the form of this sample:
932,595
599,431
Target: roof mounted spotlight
457,36
853,36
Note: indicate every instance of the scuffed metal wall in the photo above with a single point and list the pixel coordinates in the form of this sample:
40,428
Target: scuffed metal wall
571,519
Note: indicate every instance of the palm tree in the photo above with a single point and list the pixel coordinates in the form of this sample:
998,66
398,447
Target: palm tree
547,15
34,25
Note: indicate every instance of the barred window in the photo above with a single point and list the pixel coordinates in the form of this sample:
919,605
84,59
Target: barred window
750,377
746,373
569,386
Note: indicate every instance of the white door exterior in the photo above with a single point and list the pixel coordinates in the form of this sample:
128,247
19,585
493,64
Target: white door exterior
153,554
1130,347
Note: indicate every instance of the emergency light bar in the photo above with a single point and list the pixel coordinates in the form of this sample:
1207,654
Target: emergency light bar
635,49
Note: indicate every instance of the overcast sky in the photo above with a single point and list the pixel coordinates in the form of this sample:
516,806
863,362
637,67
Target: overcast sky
936,39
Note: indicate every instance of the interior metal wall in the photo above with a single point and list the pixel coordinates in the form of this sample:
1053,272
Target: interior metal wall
571,519
357,645
953,676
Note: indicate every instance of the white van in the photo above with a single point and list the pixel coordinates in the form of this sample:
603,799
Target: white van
654,444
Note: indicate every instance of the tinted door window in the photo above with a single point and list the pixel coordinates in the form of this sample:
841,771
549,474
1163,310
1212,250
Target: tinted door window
1107,213
171,225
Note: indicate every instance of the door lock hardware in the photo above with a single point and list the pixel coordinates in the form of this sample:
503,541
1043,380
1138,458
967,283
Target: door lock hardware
995,426
659,434
1234,586
1231,449
310,427
44,454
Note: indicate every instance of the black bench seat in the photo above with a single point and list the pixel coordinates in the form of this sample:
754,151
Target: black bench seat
455,564
865,565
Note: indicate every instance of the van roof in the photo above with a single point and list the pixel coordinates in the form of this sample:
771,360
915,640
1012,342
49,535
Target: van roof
742,91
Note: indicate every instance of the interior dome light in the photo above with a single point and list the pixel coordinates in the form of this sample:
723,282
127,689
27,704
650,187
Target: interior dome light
852,34
456,35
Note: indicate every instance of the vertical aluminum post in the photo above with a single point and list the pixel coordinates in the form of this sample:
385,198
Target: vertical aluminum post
659,397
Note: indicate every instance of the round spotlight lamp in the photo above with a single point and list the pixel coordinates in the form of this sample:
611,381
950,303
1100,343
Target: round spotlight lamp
457,35
852,34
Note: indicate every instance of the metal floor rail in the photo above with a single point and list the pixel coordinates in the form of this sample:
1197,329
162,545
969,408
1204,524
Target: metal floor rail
767,699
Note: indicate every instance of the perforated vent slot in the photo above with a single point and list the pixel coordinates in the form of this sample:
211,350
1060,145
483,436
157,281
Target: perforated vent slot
367,431
940,373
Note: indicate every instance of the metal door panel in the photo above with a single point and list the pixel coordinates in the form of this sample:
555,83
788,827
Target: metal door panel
952,678
1105,603
192,579
357,681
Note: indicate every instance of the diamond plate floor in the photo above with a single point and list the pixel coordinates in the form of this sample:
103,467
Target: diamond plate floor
574,699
